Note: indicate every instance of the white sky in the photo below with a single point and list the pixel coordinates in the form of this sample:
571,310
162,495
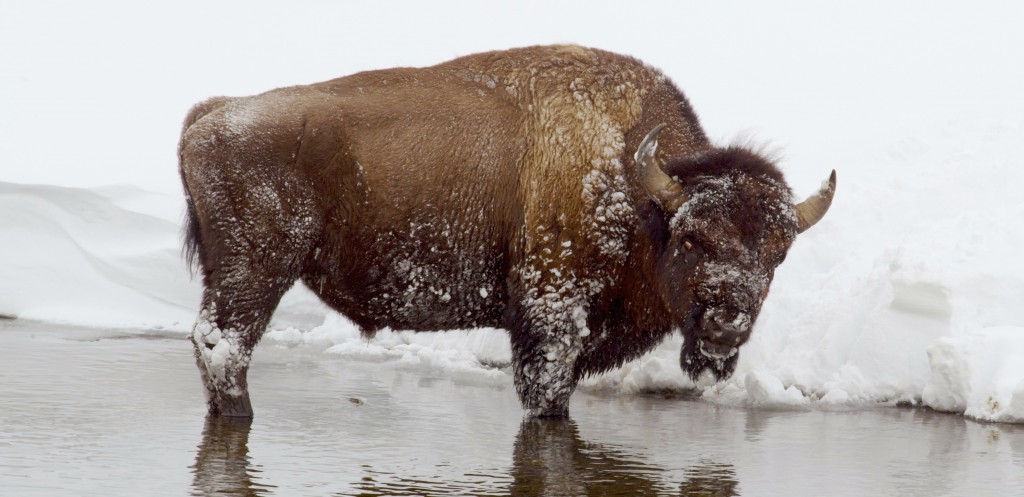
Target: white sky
93,93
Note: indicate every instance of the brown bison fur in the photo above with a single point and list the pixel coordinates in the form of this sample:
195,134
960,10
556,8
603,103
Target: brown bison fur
497,189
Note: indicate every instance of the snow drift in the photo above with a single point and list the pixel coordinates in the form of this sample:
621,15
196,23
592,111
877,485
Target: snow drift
909,291
103,257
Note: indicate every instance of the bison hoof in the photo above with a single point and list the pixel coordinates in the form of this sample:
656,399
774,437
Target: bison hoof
231,407
548,412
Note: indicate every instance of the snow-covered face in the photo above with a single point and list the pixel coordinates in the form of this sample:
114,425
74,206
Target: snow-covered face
724,244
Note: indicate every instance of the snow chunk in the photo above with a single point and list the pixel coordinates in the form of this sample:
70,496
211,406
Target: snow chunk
579,317
979,374
467,355
764,389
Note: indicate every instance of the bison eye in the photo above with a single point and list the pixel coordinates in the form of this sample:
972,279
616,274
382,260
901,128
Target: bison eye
692,246
692,243
693,251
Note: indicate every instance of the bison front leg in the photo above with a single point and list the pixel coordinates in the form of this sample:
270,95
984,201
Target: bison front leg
545,352
544,380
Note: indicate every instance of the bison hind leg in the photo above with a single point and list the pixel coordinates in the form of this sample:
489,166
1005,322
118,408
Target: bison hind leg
223,362
242,290
234,314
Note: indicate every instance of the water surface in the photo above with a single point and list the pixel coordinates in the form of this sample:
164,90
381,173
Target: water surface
120,413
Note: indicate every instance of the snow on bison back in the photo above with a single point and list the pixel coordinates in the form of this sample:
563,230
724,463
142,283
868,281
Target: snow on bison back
566,194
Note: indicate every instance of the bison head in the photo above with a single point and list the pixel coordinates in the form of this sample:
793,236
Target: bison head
726,220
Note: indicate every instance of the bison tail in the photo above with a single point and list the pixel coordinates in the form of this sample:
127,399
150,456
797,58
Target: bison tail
192,238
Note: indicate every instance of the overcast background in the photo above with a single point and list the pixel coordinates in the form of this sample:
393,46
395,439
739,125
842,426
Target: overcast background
94,93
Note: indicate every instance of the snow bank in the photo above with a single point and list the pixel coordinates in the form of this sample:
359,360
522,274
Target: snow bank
101,257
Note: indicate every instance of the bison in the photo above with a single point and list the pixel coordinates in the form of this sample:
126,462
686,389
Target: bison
565,194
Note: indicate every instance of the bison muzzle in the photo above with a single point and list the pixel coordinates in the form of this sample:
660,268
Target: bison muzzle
565,194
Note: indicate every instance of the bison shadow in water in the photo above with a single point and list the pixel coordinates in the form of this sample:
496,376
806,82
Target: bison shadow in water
568,195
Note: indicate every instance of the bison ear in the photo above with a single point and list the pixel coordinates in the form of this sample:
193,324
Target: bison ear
662,188
653,223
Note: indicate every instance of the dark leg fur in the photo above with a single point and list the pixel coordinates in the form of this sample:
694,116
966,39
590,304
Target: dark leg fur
237,305
544,367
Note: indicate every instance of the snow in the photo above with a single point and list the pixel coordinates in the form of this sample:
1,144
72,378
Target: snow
966,377
909,291
104,257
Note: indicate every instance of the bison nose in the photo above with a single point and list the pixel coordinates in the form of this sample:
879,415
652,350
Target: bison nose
725,330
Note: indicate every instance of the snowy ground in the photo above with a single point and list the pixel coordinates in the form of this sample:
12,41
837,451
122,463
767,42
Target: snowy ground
910,290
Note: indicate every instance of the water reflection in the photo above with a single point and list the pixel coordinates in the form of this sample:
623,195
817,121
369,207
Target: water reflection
550,458
710,479
222,466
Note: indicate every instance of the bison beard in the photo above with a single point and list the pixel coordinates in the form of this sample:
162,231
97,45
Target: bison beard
694,362
511,189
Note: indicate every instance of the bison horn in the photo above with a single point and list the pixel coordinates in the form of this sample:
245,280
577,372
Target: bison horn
668,193
810,211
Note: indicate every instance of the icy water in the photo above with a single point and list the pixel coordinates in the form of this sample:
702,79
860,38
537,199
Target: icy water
109,413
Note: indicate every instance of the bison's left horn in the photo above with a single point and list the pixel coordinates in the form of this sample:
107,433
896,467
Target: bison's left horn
668,193
810,211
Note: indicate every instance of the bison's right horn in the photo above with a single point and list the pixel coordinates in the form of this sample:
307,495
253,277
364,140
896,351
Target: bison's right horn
668,193
810,211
